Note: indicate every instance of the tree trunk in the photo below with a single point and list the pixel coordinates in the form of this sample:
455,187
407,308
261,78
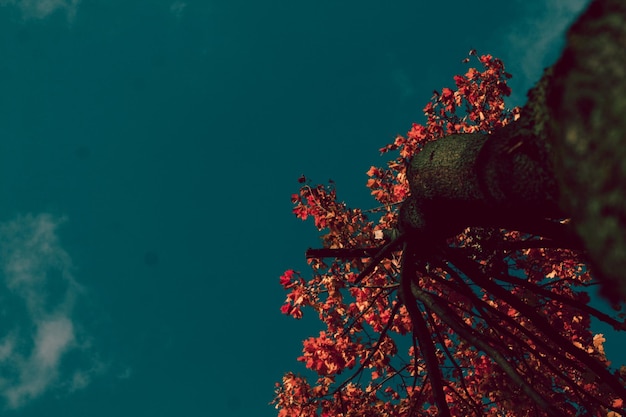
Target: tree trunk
586,131
564,157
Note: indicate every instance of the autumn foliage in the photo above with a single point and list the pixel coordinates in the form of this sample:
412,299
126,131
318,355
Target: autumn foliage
495,304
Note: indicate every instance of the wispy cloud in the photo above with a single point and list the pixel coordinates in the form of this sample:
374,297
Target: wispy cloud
177,8
38,297
40,9
536,39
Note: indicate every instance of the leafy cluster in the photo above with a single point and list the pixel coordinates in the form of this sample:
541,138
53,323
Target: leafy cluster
509,315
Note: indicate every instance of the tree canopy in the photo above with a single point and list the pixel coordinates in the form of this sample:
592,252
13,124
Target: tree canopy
465,292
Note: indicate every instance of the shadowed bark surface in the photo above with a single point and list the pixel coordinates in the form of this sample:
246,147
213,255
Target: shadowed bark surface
587,107
564,157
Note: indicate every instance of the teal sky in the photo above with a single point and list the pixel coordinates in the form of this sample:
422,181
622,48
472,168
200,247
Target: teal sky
148,151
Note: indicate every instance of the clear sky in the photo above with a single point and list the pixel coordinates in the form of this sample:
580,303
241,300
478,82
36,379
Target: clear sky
148,151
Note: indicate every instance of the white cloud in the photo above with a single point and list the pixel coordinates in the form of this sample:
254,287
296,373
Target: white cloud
40,9
38,371
41,292
177,8
81,378
53,338
535,41
6,347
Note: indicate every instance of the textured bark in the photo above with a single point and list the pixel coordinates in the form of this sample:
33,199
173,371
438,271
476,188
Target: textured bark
587,110
504,179
564,157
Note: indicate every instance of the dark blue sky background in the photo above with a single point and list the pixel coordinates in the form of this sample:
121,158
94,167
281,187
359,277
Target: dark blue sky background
148,151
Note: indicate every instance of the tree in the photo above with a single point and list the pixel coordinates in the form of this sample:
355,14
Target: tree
472,256
585,107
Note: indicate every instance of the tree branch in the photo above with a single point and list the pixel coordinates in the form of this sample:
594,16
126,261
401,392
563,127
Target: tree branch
470,335
538,320
420,330
586,308
341,253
